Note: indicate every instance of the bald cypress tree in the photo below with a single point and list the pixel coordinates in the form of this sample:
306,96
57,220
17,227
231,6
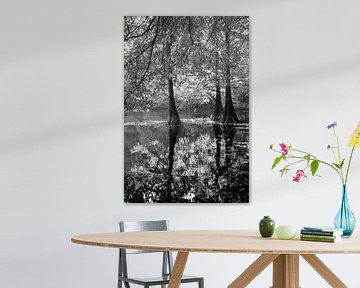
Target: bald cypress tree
217,114
229,111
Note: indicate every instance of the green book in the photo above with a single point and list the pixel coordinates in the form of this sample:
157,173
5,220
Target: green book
319,236
325,240
323,228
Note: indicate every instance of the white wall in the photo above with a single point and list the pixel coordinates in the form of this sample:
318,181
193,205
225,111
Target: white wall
61,140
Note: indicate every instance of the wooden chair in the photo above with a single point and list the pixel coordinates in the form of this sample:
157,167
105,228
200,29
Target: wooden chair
167,262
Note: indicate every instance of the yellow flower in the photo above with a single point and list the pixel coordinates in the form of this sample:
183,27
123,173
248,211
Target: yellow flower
355,137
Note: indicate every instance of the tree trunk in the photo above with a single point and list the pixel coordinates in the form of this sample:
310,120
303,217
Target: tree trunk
229,135
173,133
218,134
174,118
229,113
218,109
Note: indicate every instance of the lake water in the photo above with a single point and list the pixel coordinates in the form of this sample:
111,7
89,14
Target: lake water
197,161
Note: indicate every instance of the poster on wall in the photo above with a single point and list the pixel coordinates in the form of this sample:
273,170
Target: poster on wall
186,109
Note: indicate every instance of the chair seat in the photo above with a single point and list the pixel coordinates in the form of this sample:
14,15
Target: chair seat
158,280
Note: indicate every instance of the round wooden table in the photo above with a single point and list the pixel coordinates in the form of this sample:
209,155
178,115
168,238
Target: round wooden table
284,254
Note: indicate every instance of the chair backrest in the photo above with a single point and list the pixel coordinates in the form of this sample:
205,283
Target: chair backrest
134,226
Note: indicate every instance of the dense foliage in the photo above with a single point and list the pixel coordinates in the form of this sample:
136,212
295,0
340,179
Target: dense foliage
184,49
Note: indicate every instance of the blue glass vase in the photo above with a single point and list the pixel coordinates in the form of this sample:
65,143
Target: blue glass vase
345,219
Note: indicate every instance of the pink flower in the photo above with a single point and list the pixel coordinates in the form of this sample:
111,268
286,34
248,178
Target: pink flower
284,148
300,174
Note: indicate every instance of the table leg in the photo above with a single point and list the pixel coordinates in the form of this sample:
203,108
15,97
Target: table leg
178,270
253,270
286,271
324,271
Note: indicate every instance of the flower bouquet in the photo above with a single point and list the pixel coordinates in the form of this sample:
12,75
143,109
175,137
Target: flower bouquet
292,157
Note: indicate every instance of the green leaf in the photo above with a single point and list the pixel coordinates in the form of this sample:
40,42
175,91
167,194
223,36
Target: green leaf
336,165
307,157
314,166
271,146
339,166
342,163
284,170
276,161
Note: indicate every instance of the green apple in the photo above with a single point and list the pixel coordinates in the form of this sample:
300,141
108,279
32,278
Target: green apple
285,232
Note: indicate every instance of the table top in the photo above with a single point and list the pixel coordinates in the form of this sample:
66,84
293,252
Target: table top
217,241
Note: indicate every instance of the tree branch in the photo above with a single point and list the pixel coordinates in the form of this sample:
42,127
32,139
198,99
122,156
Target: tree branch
149,27
212,31
132,22
190,29
142,78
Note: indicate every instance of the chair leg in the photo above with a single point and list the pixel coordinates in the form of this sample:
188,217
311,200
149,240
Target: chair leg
119,270
201,283
126,284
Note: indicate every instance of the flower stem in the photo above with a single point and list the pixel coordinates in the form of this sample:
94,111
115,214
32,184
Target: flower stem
338,171
350,159
304,152
333,152
320,161
296,162
338,146
312,159
348,167
339,156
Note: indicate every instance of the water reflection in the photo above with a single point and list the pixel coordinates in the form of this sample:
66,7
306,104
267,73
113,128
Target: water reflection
173,133
197,161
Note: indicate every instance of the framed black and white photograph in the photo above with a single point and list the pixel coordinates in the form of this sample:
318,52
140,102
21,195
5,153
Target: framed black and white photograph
186,102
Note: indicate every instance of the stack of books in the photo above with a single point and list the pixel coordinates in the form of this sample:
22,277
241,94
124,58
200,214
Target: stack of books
321,234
